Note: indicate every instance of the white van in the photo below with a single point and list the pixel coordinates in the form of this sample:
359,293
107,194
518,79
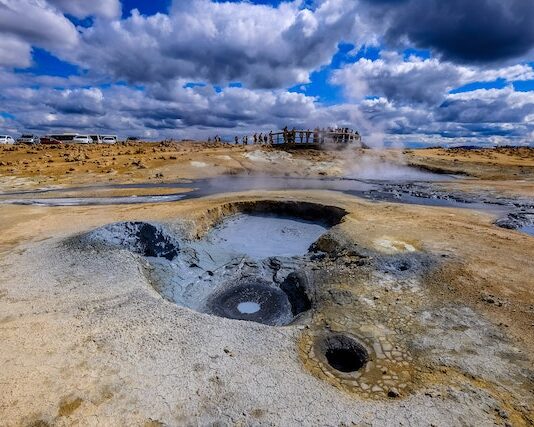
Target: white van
6,139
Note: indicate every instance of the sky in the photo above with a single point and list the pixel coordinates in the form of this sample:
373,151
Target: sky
402,72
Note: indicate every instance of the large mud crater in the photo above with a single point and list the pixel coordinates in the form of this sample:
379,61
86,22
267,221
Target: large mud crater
251,262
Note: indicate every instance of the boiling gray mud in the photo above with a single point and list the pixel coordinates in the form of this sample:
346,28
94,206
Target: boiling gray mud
255,265
250,266
264,236
248,307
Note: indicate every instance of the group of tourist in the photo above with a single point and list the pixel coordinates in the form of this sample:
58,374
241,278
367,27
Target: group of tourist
257,138
293,136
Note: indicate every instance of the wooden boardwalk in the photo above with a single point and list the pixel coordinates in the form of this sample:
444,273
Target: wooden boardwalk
313,138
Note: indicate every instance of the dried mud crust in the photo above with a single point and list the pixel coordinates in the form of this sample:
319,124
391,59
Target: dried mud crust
498,163
410,340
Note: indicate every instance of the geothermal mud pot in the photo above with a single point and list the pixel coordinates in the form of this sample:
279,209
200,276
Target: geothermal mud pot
368,323
254,264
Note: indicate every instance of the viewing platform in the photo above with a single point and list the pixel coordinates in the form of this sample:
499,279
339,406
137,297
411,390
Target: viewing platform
314,138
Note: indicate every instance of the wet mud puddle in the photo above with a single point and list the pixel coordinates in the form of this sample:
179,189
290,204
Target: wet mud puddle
202,188
528,229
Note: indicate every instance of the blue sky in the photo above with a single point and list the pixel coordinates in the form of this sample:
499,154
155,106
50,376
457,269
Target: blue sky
145,7
205,67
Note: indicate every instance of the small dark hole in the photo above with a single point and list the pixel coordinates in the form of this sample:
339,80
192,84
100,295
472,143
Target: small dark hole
345,360
345,354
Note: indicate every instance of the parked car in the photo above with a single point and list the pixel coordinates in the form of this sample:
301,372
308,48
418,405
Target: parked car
50,140
28,139
109,140
97,139
6,139
82,139
133,139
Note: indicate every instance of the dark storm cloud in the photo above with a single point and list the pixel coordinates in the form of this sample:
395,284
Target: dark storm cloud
476,31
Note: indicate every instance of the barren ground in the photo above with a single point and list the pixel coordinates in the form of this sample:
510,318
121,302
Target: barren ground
442,298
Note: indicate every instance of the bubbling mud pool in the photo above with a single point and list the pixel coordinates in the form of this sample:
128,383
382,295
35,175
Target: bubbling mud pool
248,307
251,265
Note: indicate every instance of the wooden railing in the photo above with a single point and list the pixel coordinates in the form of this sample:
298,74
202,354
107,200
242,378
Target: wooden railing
313,137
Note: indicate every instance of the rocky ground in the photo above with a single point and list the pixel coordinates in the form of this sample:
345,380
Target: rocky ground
502,163
439,298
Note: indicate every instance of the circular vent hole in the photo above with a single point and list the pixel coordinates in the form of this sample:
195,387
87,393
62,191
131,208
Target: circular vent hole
344,353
